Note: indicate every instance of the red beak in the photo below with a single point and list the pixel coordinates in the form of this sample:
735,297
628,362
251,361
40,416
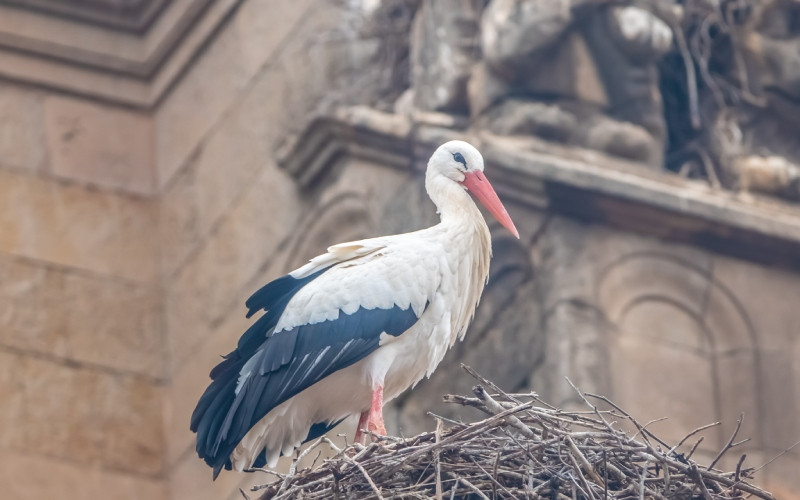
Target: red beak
477,184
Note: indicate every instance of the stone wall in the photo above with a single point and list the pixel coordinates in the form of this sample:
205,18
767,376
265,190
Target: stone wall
81,302
128,239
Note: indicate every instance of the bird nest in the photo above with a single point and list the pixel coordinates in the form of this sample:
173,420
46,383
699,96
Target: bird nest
525,448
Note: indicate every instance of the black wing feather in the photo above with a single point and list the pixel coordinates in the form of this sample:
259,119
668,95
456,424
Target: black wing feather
283,364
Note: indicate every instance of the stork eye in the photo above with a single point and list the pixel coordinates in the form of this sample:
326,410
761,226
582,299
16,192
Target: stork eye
460,159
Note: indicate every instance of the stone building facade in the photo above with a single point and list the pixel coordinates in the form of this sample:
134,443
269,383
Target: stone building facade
161,160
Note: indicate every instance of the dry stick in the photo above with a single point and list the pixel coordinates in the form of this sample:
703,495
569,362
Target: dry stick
580,474
696,473
583,461
474,488
694,448
699,429
495,408
476,428
366,476
729,444
596,411
605,476
737,475
489,383
779,455
647,424
436,455
455,487
494,472
633,420
641,480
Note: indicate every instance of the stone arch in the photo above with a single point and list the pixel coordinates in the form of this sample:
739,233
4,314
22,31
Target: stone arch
683,345
345,217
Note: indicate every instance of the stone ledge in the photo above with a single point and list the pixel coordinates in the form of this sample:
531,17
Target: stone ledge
111,63
585,185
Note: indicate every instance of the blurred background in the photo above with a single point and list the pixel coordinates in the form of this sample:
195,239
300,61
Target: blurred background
160,160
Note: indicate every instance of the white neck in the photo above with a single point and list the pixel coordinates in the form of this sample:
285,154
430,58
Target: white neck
453,204
467,240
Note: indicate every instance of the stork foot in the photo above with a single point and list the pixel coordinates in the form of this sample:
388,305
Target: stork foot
377,427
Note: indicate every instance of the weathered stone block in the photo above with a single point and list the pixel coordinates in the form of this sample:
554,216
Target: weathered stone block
218,79
21,129
26,477
191,478
211,283
190,380
81,317
101,145
77,227
80,414
228,163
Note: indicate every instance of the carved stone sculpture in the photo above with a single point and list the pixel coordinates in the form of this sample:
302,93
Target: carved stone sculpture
756,144
573,71
577,72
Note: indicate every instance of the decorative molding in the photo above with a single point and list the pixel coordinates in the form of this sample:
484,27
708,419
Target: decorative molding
133,16
592,187
126,52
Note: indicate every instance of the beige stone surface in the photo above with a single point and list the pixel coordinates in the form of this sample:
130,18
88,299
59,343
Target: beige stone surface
28,477
21,128
191,479
756,289
101,145
80,316
78,227
212,283
210,87
75,414
189,382
228,163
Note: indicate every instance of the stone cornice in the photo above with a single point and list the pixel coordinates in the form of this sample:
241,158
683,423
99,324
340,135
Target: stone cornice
133,16
130,56
584,185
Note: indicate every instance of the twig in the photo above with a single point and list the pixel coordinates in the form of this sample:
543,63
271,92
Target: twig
642,478
729,444
779,455
694,448
495,407
699,429
368,478
474,488
436,455
700,483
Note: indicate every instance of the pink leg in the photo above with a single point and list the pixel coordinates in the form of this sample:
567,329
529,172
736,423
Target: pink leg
362,424
375,421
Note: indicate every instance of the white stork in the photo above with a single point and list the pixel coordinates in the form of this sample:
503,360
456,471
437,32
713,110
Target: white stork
353,328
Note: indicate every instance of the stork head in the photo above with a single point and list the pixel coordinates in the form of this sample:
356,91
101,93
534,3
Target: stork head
460,162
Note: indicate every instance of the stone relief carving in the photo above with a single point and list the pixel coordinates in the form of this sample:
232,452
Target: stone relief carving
590,74
576,72
756,142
